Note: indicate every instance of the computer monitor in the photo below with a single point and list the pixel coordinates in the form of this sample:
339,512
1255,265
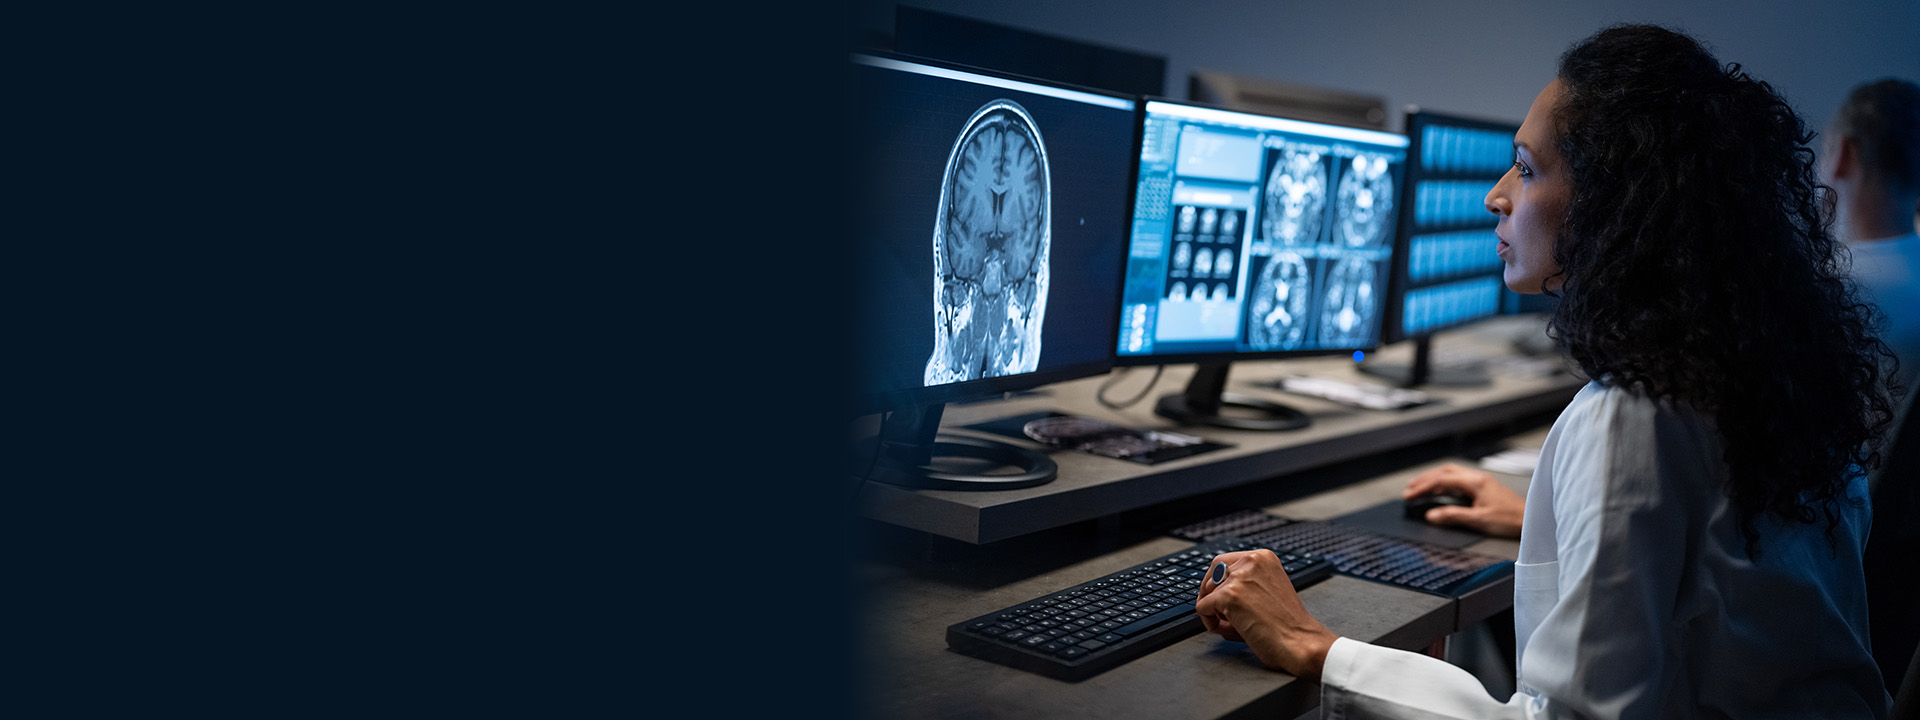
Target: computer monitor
989,228
1445,273
1254,237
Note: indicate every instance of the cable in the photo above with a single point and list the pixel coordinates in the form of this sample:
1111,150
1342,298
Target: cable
1101,395
879,441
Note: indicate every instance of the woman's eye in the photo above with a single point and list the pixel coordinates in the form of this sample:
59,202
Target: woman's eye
1524,172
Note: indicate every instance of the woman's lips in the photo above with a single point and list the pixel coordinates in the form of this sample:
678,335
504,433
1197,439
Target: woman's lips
1501,249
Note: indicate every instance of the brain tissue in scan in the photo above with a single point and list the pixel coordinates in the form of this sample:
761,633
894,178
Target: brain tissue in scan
1296,198
1277,316
992,238
1346,316
1364,202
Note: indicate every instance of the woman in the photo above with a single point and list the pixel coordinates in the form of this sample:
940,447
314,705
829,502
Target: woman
1692,538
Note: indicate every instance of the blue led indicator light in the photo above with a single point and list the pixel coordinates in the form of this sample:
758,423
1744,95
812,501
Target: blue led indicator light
1359,355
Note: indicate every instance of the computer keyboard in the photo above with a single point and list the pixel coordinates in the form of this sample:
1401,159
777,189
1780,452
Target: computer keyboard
1092,627
1396,561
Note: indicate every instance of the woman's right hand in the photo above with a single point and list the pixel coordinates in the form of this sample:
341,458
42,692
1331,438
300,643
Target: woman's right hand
1495,511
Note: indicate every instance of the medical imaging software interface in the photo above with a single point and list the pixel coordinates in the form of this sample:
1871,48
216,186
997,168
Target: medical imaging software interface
1258,234
1452,274
990,220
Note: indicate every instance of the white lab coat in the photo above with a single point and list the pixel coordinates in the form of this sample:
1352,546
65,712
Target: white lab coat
1634,596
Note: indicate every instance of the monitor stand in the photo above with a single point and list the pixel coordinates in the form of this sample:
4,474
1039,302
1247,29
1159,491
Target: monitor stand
1206,397
913,453
1423,373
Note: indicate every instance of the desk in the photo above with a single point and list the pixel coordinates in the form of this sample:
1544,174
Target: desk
1091,487
930,559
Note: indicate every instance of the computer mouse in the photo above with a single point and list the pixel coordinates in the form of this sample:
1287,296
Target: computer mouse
1417,507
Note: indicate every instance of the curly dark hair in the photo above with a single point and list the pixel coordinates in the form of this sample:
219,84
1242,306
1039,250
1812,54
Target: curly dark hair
1699,266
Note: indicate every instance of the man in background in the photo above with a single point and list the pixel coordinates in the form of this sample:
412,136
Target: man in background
1871,158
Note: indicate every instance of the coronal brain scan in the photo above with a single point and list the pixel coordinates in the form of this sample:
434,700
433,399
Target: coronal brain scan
992,238
1186,219
1208,219
1182,256
1296,198
1223,264
1229,224
1346,316
1364,202
1278,312
1203,263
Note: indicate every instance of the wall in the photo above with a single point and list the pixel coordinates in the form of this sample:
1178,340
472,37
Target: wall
1486,57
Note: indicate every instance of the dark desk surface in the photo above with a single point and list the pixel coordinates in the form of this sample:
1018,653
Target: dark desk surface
921,580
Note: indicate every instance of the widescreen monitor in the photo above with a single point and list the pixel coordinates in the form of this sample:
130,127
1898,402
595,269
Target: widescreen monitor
989,230
1445,273
1253,237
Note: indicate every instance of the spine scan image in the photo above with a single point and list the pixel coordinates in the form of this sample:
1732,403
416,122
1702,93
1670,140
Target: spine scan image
992,238
1346,316
1365,202
1277,319
1296,198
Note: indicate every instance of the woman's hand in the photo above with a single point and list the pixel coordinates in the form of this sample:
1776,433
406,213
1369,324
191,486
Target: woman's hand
1256,604
1495,511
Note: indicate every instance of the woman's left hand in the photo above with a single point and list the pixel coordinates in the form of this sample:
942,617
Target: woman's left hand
1256,604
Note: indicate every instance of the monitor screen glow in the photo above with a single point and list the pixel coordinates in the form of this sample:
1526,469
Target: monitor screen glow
1257,236
989,230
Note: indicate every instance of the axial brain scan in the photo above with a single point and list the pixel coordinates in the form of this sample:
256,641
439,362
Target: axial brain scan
992,238
1345,318
1365,201
1278,316
1296,197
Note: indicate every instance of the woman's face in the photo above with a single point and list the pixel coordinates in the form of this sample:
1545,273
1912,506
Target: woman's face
1531,200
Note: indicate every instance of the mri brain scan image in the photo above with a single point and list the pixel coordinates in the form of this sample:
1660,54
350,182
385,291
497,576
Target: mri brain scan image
1229,225
1364,202
1182,256
992,238
1208,219
1223,263
1203,263
1277,311
1346,316
1220,292
1179,291
1186,219
1296,198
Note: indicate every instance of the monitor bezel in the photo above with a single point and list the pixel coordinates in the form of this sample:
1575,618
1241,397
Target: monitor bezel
1393,329
1120,360
867,403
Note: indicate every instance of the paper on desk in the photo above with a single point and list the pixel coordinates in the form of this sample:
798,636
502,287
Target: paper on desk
1518,461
